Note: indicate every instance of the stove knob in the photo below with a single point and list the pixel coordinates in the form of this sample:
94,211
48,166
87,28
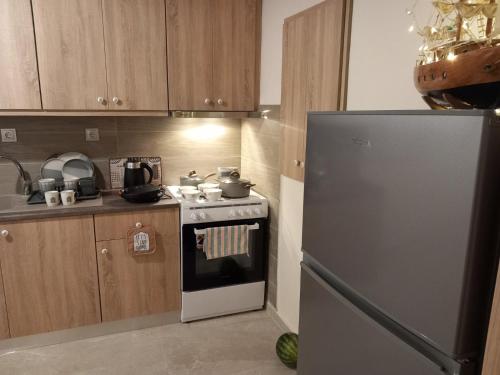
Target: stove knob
203,215
232,213
249,212
194,216
257,211
241,212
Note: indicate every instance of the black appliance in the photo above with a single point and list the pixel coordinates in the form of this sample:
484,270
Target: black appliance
134,173
143,194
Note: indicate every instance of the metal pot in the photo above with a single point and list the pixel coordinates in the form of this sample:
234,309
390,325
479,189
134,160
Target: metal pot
235,187
192,179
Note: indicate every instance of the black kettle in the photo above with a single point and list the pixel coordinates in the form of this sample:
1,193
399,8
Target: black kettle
134,173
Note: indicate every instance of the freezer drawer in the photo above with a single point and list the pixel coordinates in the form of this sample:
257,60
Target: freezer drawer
338,339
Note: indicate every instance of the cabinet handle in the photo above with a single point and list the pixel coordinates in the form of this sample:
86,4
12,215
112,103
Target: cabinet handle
220,102
101,100
138,225
4,233
297,163
208,101
116,100
104,251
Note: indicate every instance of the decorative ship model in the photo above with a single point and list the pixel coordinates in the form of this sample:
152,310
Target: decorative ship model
459,62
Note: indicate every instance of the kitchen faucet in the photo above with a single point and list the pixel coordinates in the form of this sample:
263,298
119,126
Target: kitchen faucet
27,187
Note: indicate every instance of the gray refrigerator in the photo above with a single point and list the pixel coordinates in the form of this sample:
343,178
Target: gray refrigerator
400,242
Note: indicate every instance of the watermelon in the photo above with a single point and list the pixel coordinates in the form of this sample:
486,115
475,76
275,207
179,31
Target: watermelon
287,348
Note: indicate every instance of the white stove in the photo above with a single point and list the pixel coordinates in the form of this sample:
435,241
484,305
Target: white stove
225,285
204,211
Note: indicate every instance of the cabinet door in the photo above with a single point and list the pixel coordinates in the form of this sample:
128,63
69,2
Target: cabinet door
293,97
136,54
236,54
50,275
491,363
18,68
190,54
4,322
134,286
71,59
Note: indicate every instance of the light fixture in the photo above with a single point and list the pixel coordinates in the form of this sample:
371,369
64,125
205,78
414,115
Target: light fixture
497,111
411,28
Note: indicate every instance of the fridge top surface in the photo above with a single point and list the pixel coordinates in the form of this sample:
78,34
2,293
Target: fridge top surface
390,208
413,112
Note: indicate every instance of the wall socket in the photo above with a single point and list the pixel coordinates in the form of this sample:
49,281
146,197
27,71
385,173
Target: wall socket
92,135
9,135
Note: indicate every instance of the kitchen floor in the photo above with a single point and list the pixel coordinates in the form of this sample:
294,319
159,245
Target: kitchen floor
240,344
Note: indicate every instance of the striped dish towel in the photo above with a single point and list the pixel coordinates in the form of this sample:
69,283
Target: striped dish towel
226,241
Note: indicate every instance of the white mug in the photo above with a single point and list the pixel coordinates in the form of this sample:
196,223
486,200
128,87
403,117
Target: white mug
52,198
68,197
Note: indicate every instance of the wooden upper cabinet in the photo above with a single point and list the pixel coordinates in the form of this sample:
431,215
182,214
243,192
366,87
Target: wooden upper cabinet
314,65
293,101
132,286
236,35
49,272
71,56
213,54
18,67
136,54
190,49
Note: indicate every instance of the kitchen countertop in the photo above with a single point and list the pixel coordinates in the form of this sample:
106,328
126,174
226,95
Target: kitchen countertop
108,203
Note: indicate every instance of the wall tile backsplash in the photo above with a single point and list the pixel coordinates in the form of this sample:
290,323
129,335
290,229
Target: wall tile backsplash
183,144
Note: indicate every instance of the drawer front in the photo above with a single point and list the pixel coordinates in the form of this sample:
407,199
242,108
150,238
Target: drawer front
115,226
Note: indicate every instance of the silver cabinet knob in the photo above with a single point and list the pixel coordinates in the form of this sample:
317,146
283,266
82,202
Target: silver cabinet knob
138,225
208,101
116,100
4,233
100,100
104,251
297,163
220,101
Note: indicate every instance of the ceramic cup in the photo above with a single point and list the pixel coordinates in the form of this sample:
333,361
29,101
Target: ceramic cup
47,184
52,198
68,197
182,189
71,184
208,185
191,195
213,195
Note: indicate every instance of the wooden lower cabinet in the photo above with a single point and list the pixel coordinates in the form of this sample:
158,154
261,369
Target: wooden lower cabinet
49,273
4,322
491,364
132,286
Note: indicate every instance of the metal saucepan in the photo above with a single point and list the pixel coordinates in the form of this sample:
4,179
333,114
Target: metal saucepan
192,179
235,187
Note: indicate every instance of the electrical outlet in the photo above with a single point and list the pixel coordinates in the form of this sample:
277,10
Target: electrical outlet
9,135
92,135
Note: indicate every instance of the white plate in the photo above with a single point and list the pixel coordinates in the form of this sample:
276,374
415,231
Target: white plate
77,168
52,168
67,156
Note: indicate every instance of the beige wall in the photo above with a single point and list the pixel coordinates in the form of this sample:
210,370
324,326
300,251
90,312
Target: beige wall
183,144
260,142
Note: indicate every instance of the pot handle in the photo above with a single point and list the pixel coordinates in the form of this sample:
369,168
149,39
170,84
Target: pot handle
248,186
209,175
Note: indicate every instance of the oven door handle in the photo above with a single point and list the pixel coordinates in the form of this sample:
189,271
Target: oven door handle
200,232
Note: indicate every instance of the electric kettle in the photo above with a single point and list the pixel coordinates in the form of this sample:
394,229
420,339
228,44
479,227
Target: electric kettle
134,173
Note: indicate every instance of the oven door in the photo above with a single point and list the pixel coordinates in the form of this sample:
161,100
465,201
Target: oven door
198,273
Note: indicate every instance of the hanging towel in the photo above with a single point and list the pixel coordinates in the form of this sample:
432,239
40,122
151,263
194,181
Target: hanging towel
226,241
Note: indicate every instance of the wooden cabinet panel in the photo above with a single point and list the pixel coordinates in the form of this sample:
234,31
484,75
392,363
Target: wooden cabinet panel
236,54
18,67
190,59
314,63
115,226
132,286
491,364
293,100
70,45
4,321
136,55
50,275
